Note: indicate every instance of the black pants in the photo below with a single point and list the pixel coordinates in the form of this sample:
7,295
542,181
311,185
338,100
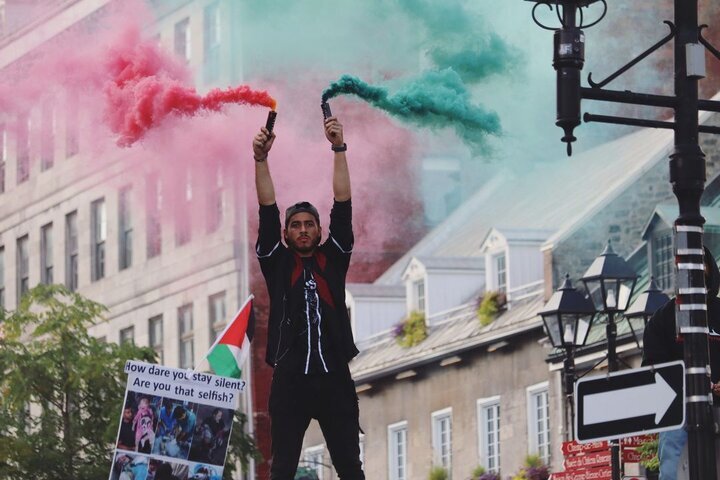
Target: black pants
329,398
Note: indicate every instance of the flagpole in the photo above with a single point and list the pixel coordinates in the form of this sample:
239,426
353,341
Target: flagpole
217,339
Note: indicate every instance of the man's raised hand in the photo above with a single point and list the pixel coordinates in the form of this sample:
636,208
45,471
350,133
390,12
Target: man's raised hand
334,131
262,143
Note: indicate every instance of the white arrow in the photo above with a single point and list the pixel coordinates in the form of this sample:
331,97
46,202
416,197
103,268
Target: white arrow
654,398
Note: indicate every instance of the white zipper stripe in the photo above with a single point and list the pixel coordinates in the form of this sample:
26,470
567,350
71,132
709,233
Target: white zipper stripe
257,251
317,311
307,318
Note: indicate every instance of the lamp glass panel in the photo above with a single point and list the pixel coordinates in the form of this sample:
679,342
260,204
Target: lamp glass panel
568,330
593,287
611,295
624,294
583,327
552,325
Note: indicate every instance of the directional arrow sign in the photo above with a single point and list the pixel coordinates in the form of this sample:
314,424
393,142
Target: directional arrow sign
631,402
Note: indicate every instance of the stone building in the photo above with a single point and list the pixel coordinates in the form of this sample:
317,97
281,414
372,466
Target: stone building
489,393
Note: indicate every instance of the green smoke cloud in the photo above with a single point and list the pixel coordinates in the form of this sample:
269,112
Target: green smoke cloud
435,99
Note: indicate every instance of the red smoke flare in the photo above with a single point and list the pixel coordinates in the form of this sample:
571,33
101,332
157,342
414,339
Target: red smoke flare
146,87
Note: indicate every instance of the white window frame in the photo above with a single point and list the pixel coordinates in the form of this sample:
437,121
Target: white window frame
436,418
483,405
500,286
420,295
310,459
393,463
532,421
361,443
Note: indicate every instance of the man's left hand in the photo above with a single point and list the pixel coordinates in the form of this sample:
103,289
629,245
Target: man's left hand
334,131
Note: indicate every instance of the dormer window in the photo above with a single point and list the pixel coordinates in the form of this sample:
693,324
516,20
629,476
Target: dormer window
663,259
419,288
501,269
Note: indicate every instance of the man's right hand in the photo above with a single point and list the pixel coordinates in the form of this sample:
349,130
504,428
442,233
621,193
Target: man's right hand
262,143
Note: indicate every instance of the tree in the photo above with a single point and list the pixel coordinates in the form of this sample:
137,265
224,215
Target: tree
61,390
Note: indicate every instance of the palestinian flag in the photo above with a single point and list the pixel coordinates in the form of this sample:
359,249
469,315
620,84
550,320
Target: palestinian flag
232,347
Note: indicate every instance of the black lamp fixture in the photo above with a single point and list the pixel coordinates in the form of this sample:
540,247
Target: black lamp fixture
567,316
644,307
609,282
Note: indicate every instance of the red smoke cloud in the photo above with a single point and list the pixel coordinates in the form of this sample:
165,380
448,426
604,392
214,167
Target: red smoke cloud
147,85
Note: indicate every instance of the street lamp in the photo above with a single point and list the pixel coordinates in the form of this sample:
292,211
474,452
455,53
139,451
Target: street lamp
687,176
644,307
568,316
609,283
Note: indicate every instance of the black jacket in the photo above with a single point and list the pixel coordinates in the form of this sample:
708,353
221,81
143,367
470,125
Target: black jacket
282,269
660,341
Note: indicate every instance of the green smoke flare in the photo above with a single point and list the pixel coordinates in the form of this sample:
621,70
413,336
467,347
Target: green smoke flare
436,99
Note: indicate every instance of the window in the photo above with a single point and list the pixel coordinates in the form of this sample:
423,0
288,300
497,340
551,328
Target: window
47,137
71,251
23,268
185,329
72,126
663,259
127,336
501,269
155,331
46,254
216,314
397,451
216,202
99,234
125,229
2,277
420,296
489,433
182,214
3,156
154,207
23,148
314,460
442,438
182,39
211,41
539,421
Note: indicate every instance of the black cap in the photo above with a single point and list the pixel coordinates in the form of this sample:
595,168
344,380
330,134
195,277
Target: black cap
299,208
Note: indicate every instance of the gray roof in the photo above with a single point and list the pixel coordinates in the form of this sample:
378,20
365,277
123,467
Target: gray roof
452,263
459,332
372,290
559,196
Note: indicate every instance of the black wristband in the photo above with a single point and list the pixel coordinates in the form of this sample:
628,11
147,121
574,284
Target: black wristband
341,148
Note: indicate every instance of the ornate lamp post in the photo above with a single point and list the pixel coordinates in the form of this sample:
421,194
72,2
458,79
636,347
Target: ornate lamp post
609,283
644,307
687,176
568,316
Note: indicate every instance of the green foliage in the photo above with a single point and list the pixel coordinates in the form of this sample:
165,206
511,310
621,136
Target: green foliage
649,453
489,307
438,473
477,471
242,448
413,330
61,390
534,469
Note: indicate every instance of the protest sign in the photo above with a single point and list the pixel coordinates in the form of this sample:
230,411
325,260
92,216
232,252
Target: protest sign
175,424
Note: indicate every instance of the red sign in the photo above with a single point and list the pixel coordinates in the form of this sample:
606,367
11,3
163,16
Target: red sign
636,441
602,473
574,448
596,459
631,456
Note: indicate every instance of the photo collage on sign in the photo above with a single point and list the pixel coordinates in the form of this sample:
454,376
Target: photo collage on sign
163,438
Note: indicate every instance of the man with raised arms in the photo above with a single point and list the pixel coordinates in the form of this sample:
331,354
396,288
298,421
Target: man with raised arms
310,339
